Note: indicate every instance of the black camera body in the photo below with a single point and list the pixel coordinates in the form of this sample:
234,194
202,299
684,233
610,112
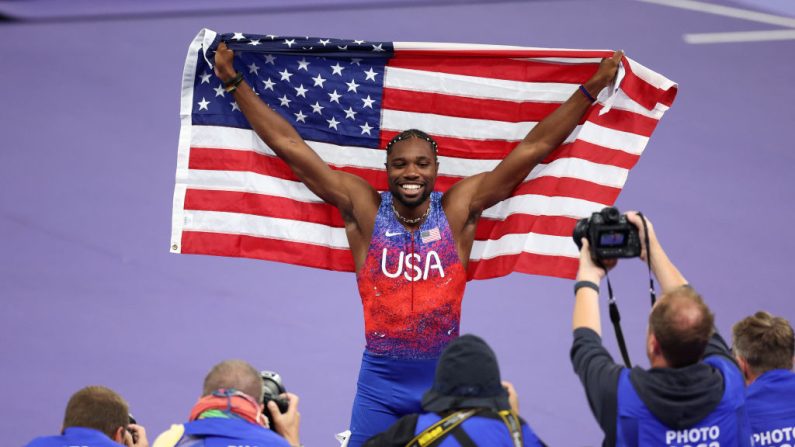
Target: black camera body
272,388
609,234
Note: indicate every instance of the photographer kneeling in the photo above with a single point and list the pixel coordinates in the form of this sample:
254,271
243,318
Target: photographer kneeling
230,412
692,395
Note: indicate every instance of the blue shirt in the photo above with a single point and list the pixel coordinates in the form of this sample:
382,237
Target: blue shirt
770,402
75,436
726,425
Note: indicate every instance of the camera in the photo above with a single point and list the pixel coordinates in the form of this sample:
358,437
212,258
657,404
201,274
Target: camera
133,433
609,234
272,388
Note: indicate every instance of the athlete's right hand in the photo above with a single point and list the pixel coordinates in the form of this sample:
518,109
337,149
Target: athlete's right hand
224,67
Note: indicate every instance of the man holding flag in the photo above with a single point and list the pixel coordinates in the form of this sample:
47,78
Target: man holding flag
410,245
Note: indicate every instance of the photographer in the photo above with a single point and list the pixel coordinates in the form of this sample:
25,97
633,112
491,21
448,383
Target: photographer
467,405
96,416
764,346
231,411
692,395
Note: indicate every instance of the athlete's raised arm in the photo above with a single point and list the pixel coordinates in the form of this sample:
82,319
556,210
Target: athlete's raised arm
335,187
472,195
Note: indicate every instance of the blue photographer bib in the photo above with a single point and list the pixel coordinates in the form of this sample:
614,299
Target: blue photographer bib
726,426
770,402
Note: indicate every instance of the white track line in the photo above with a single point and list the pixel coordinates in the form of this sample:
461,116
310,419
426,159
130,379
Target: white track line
741,36
727,11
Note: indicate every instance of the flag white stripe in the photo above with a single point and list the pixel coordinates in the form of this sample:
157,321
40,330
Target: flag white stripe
613,139
512,244
247,140
270,227
537,205
476,87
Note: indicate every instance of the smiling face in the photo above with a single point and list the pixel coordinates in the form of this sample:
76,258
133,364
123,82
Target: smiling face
411,169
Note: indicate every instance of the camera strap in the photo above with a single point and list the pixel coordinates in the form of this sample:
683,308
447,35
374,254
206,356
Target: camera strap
441,428
615,316
652,292
448,425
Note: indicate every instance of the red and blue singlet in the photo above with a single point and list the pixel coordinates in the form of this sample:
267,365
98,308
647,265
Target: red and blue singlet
412,284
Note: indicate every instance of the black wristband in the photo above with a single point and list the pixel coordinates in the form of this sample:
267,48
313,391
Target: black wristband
580,284
231,85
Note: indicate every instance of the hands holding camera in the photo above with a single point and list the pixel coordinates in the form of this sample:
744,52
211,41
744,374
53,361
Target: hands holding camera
135,436
287,423
594,270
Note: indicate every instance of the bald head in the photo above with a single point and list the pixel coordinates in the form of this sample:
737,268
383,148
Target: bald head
235,374
682,325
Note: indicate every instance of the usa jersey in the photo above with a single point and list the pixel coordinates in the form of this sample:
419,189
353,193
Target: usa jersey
411,284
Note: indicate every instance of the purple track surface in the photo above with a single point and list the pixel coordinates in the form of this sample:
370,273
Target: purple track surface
89,293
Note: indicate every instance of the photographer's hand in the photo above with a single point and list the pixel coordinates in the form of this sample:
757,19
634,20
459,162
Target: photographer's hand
664,270
140,432
586,305
589,270
513,398
287,424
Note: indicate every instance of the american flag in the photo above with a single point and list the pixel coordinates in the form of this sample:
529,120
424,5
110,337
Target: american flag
347,98
431,235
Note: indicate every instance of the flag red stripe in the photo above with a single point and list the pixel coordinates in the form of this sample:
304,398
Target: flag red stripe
591,152
530,263
497,68
569,187
507,111
249,161
235,245
623,120
466,107
262,205
524,223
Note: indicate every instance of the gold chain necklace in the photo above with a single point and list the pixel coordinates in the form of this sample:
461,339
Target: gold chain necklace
411,221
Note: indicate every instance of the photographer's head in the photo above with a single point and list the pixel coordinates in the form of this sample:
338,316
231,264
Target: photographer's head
680,325
763,342
99,408
467,376
234,374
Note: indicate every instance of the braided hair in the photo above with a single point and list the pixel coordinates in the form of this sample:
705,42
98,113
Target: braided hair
412,133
